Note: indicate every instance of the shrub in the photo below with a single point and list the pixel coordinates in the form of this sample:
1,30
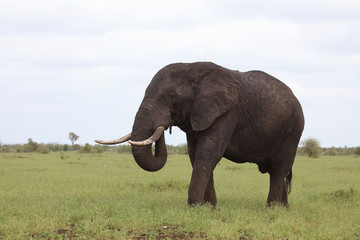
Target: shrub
31,146
98,149
42,149
66,148
86,149
4,148
124,149
357,151
92,149
311,147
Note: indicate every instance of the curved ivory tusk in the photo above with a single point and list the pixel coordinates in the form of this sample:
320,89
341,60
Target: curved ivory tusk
115,141
157,134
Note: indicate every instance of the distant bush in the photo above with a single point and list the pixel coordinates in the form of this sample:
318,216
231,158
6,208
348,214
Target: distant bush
124,149
42,149
4,148
311,147
66,148
180,149
98,149
92,149
340,151
86,149
75,147
31,146
357,151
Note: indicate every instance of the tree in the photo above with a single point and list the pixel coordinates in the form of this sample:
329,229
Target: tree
311,147
31,145
3,148
73,138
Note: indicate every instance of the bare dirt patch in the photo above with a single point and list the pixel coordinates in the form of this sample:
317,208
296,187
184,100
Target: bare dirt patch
64,233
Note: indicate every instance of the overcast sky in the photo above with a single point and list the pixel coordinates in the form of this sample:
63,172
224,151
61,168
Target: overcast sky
83,66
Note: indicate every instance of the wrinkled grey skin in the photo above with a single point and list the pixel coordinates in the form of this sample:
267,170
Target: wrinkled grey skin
244,117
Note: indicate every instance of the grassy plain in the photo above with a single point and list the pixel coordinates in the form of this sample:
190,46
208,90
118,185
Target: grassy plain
107,196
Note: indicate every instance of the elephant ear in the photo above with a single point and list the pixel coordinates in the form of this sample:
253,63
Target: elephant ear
215,96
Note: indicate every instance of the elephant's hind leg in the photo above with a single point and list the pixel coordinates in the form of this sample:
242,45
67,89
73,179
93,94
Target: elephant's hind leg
277,193
281,174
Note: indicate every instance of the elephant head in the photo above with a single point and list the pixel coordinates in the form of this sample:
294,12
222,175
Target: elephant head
189,96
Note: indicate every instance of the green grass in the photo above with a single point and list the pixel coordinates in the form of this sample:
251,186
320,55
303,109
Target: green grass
107,196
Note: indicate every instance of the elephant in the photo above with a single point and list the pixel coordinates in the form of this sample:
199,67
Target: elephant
241,116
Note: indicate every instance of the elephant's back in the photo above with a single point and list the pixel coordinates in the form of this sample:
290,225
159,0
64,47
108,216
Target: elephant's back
263,83
268,115
268,90
271,103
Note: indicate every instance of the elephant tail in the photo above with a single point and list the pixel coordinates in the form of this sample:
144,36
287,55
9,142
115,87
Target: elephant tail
288,179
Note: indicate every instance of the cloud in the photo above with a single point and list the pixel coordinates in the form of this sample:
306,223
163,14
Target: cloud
82,61
296,11
96,17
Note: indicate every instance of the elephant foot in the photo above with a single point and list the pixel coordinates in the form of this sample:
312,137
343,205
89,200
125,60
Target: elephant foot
193,204
211,202
278,195
199,195
196,203
274,203
210,197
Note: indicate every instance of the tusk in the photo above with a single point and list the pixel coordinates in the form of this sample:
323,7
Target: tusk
157,134
115,141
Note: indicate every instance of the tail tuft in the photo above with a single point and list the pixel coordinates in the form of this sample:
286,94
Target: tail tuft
288,182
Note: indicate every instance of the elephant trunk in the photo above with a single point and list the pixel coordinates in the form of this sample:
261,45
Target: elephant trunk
146,160
143,129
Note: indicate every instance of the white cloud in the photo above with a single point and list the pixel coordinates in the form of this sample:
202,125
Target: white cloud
86,59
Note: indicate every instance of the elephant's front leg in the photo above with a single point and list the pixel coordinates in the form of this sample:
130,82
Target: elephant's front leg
209,195
208,153
201,187
206,149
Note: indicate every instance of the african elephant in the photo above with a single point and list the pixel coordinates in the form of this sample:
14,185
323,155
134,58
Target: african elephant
242,116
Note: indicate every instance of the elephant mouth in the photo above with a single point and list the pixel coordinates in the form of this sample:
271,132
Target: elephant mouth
156,135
